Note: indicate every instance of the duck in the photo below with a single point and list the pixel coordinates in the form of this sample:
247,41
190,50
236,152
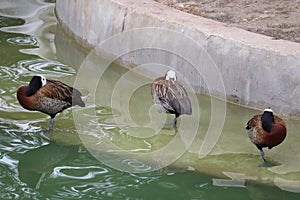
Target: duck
266,130
170,96
48,96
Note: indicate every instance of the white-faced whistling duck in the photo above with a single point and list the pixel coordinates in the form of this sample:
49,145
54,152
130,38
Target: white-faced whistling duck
266,130
48,96
170,96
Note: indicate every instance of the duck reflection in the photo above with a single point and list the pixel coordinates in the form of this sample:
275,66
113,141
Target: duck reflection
35,164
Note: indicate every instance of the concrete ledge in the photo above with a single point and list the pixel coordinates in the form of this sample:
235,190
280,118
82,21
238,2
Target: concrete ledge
256,70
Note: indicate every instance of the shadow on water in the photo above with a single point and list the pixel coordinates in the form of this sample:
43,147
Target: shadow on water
37,163
269,163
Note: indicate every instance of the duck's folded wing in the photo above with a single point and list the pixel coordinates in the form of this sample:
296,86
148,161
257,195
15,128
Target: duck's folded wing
179,99
58,90
172,96
254,122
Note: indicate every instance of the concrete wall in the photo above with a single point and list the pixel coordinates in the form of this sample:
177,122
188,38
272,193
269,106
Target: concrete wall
249,69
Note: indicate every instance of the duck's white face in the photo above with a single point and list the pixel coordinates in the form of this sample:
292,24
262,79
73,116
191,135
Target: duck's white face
43,80
171,75
268,110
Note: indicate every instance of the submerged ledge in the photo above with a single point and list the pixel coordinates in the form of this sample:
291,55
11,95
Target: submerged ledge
256,70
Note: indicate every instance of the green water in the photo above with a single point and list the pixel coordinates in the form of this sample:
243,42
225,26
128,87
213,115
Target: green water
88,164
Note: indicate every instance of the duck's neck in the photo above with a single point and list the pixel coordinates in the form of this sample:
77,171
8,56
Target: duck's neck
267,121
31,90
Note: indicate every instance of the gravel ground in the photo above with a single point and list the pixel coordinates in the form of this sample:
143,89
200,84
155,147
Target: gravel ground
279,19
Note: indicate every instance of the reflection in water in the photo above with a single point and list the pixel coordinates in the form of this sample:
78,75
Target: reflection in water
9,21
22,9
40,23
37,163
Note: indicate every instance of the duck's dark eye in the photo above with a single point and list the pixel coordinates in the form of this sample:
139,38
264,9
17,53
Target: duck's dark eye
44,81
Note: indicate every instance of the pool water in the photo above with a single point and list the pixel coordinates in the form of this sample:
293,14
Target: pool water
111,149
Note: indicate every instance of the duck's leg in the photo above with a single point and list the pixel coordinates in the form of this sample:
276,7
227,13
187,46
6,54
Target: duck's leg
174,121
51,124
262,153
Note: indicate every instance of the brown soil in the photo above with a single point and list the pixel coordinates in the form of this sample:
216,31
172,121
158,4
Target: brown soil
279,19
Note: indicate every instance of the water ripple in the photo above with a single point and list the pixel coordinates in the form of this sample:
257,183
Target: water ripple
92,171
44,67
2,91
8,72
137,165
26,40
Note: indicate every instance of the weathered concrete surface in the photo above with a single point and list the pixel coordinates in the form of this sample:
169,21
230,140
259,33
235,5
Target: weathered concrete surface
255,70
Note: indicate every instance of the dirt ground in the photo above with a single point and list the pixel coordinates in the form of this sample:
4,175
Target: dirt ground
279,19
